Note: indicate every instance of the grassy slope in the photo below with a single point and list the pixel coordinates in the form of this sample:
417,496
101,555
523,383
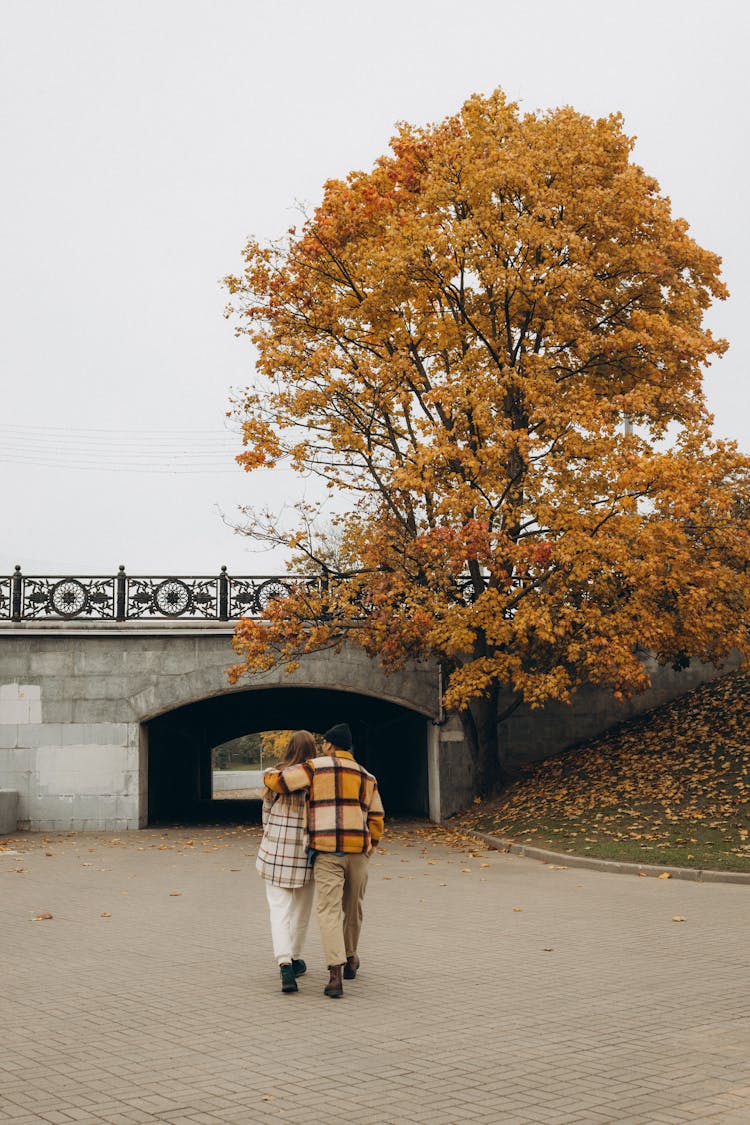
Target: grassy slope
672,787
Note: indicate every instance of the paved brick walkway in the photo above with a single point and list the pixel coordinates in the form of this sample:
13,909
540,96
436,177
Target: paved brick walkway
493,989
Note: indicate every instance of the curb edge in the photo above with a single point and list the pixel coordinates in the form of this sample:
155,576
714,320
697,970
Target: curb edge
696,875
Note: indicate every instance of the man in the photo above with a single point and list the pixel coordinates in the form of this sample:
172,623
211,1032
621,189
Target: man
345,823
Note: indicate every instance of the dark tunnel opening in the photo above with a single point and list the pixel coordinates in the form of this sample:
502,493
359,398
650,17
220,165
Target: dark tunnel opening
389,739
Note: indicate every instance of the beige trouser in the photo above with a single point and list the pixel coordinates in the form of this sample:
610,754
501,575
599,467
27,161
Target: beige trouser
340,881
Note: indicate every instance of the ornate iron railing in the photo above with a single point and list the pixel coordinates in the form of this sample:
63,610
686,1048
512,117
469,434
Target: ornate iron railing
6,607
124,597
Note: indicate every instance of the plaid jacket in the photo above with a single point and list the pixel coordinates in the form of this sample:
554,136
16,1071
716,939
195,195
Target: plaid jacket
283,856
345,810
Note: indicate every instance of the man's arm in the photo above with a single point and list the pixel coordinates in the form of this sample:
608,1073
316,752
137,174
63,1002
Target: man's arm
376,816
289,780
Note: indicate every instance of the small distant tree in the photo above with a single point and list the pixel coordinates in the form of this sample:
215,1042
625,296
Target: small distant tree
453,341
244,750
221,758
274,743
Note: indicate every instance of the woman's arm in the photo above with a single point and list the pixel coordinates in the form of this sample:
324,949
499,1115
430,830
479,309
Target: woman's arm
289,780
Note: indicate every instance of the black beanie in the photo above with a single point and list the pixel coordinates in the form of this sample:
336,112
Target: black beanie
339,736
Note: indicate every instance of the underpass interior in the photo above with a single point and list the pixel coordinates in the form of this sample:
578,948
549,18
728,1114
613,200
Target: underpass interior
389,739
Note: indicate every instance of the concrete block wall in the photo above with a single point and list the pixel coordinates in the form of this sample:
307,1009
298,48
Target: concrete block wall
533,734
75,699
73,707
70,775
8,811
225,780
457,788
20,703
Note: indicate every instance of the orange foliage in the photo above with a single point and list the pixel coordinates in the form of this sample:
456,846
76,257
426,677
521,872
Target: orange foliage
275,742
453,340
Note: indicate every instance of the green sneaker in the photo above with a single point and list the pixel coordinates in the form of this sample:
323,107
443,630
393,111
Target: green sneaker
288,980
299,966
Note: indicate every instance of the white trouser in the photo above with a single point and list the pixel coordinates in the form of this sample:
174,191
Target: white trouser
290,913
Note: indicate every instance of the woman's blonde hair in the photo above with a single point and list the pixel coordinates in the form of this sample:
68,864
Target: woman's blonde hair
300,747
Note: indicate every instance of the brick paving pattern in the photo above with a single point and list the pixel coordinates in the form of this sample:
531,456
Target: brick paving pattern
494,989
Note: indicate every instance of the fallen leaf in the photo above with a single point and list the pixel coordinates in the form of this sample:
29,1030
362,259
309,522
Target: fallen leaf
45,917
516,909
679,918
105,915
175,894
665,875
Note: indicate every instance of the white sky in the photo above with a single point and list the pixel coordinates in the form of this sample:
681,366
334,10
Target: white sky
142,142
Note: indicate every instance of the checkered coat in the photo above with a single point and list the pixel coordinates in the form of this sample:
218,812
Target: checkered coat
346,813
283,856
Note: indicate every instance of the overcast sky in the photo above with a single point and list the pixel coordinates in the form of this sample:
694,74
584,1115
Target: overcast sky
143,142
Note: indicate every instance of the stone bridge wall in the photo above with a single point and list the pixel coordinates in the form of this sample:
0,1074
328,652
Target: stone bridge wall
75,702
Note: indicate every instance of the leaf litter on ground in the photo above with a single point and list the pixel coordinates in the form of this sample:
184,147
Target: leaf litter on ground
669,788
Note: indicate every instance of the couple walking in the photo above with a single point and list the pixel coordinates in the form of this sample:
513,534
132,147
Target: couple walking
322,816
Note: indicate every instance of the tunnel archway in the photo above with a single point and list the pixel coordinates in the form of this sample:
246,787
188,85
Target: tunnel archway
390,739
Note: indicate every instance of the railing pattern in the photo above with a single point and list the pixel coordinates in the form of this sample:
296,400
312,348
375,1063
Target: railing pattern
6,608
124,597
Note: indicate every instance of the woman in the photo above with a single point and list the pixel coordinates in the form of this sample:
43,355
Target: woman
284,863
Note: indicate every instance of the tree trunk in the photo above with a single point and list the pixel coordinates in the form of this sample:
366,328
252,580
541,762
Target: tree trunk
481,731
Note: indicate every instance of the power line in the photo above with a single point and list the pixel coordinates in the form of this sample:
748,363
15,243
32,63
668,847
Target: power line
124,451
86,441
99,467
119,451
103,430
60,442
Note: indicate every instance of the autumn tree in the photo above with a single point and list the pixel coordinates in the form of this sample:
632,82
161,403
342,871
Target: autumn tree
490,347
275,742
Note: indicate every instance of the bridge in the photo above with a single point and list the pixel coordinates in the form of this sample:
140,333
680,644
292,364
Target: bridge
113,692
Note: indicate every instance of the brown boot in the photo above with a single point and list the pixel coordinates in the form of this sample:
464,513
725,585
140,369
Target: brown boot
351,966
334,988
